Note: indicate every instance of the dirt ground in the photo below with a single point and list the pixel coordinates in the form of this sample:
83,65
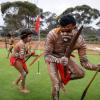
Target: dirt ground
92,49
41,45
34,44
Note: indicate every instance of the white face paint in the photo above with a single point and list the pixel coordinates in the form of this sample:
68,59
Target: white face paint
66,37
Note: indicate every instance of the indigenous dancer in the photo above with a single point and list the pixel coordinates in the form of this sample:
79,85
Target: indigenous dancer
58,40
11,46
18,56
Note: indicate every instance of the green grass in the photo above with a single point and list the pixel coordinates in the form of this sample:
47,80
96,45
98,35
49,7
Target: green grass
40,85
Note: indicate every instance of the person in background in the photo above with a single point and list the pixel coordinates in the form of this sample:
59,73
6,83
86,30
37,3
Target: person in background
18,56
11,45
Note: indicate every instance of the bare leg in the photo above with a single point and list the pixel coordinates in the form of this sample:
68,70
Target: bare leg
55,81
77,72
9,51
62,87
17,81
19,67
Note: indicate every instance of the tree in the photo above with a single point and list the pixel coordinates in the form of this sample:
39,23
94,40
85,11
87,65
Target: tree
19,14
48,22
84,14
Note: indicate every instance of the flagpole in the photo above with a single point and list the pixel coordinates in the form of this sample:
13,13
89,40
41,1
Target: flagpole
39,39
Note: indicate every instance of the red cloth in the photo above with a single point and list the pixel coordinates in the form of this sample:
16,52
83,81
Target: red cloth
13,60
33,53
37,24
64,79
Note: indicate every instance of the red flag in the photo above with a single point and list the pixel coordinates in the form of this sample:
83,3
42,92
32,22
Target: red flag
37,24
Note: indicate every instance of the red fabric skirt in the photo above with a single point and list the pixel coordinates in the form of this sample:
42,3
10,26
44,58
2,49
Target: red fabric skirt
65,79
13,60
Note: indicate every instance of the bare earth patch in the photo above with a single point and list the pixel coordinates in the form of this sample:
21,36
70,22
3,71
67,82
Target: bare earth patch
41,45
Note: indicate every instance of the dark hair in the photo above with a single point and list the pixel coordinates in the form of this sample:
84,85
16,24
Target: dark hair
25,32
66,20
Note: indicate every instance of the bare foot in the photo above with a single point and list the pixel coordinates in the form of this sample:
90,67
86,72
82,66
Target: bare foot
14,83
24,90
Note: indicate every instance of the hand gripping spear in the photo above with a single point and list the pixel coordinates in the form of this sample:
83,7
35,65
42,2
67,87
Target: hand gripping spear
33,50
